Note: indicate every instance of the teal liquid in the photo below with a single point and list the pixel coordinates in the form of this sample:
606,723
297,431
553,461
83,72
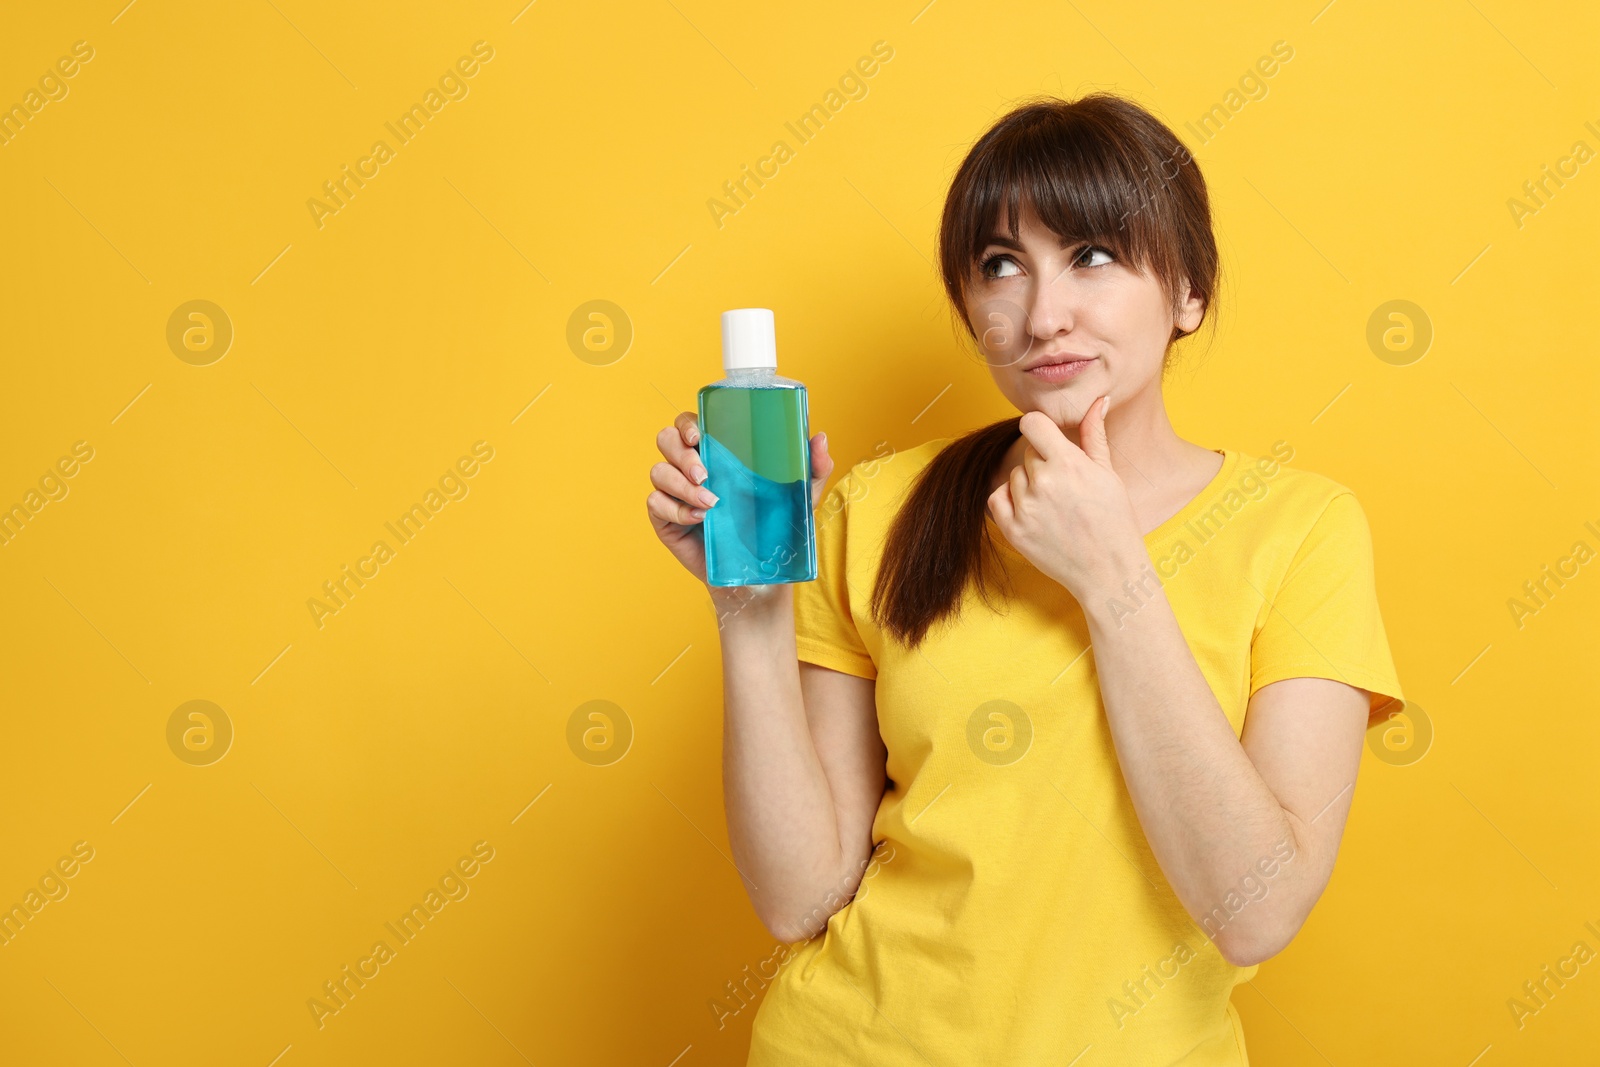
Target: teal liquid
755,447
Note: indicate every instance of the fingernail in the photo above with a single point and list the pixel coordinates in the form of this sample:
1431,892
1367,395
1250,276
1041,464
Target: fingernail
698,513
824,436
708,496
698,473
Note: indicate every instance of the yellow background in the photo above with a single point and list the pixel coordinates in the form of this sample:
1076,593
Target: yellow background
432,310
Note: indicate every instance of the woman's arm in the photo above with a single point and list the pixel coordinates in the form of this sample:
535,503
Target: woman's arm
802,767
1221,812
802,761
1245,829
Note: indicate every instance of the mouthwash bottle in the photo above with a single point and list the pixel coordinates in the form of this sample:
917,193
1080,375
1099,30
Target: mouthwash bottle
755,444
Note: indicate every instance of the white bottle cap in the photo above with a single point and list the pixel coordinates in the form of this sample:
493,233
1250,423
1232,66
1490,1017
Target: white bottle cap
748,339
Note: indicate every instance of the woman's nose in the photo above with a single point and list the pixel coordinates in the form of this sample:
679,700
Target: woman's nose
1052,306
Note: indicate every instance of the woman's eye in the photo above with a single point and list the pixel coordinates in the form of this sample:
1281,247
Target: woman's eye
991,267
1096,248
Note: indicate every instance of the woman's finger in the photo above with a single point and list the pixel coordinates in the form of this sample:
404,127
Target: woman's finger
688,424
1000,506
821,462
673,441
1018,484
672,481
667,510
1032,461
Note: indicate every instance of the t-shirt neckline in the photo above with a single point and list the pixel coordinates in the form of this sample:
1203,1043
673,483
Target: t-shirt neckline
1230,459
1200,499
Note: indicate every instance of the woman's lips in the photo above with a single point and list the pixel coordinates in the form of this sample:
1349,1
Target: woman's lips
1060,372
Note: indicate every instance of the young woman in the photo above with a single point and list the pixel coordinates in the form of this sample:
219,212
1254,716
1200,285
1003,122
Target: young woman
1060,744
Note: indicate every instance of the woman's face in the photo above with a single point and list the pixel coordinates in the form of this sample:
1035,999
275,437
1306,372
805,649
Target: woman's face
1033,302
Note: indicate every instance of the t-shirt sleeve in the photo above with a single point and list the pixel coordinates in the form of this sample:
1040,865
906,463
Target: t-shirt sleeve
824,628
1324,620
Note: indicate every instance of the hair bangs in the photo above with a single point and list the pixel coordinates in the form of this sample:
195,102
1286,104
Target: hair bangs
1090,174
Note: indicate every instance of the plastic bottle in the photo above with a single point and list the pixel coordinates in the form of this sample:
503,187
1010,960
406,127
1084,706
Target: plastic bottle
755,444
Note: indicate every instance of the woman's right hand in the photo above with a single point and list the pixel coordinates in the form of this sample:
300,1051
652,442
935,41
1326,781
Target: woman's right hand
677,506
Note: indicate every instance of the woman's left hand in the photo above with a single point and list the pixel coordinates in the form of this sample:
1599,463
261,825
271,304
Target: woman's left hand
1068,512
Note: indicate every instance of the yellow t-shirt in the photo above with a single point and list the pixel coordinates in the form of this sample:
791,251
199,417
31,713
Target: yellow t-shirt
1014,912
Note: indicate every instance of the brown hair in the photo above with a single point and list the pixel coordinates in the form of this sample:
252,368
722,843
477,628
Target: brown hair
1101,169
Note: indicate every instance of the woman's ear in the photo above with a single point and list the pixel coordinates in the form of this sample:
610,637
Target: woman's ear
1188,314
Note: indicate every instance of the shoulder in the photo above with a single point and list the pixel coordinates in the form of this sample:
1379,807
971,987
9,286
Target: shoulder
1302,505
886,473
860,507
1300,493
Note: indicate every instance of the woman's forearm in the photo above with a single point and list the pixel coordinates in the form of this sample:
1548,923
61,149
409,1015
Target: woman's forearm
783,825
1209,816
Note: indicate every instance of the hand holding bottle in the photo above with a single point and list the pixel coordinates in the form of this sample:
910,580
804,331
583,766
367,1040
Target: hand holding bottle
679,502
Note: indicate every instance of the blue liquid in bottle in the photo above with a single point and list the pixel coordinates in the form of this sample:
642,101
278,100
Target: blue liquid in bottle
755,446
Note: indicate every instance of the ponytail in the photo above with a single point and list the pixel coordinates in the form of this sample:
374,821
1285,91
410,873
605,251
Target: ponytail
936,543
